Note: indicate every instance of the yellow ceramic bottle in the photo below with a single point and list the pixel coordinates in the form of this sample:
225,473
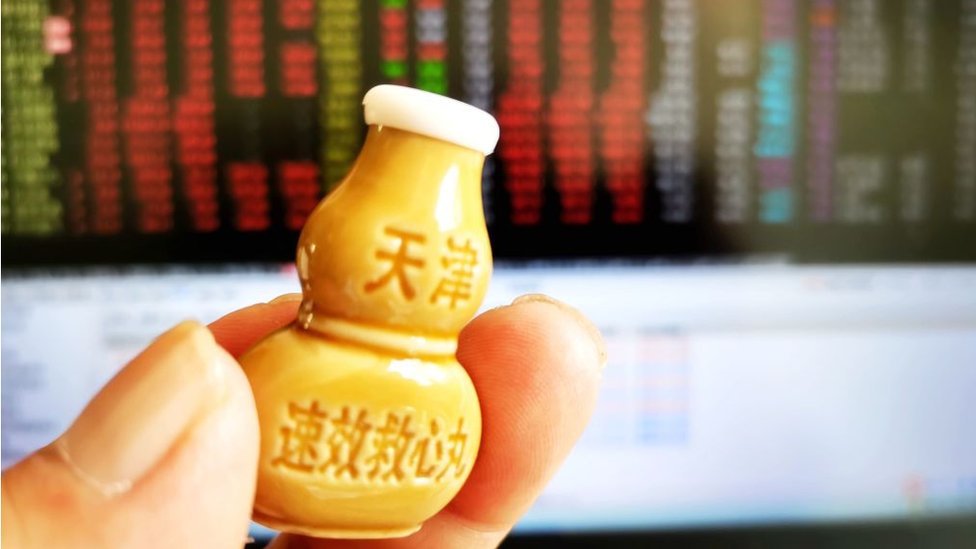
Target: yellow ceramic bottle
369,425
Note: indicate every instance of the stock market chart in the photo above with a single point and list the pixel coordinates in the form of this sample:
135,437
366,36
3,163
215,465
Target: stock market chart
815,130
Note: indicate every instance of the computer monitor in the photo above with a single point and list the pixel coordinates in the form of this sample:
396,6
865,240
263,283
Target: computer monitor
767,206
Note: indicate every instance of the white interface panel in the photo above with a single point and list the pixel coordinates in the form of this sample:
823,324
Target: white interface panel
734,394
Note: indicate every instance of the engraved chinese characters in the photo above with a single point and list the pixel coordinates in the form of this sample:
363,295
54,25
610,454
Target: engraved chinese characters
369,425
399,262
457,267
358,441
460,264
353,445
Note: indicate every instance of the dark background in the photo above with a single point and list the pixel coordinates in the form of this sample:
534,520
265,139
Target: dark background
270,129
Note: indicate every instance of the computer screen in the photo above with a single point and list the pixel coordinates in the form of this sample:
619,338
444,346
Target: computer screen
767,206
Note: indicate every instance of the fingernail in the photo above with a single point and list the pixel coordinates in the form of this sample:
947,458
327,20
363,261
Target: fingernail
580,318
141,414
285,298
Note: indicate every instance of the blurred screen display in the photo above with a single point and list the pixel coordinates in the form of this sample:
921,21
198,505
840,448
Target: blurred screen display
745,394
821,130
767,206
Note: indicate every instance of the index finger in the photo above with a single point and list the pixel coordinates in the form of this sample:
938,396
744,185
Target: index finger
240,330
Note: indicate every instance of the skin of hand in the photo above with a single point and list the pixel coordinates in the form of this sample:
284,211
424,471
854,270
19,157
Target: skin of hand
166,454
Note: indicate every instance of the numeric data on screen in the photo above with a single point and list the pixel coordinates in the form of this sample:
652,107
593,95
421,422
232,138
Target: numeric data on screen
821,130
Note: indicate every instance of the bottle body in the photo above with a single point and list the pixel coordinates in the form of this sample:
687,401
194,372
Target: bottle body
369,425
366,444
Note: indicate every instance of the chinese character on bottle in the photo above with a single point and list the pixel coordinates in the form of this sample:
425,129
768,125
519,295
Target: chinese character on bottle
299,441
348,444
398,262
459,265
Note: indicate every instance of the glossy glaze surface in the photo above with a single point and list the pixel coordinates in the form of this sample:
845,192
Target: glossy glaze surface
358,442
369,425
402,243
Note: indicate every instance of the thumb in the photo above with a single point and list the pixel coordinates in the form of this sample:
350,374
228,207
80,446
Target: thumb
163,456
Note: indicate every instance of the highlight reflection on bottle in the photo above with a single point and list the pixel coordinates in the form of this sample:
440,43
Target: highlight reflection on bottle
369,425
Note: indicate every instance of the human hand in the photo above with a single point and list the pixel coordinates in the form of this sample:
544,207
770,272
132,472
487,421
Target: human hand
166,453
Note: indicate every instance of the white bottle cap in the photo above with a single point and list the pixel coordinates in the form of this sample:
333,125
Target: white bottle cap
431,115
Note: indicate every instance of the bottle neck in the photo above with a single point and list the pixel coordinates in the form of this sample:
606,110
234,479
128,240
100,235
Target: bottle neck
386,146
387,339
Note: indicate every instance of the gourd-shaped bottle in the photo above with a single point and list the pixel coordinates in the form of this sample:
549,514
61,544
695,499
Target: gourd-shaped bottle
369,425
